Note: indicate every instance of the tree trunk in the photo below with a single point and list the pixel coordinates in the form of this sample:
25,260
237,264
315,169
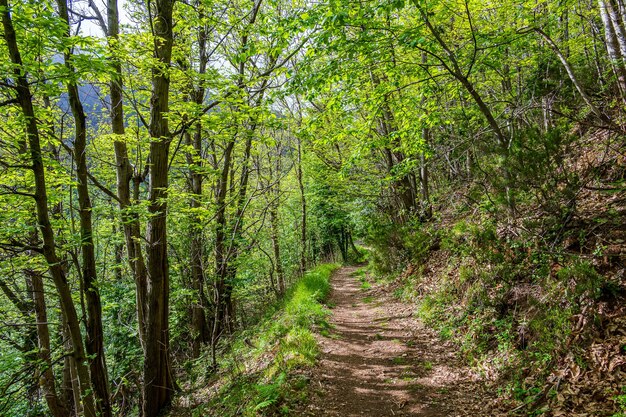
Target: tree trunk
225,256
48,387
221,261
620,33
403,190
426,206
95,335
357,254
199,325
67,388
158,383
572,76
230,270
303,226
280,274
617,61
125,174
226,268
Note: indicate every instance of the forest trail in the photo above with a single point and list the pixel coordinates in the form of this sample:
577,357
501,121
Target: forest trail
381,361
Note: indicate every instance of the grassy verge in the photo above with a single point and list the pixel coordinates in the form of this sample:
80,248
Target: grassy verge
262,374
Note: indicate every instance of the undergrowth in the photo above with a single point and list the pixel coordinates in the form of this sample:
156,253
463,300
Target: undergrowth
513,307
259,376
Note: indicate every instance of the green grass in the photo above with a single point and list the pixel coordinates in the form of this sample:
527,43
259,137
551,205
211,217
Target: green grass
264,380
362,276
620,402
399,360
361,272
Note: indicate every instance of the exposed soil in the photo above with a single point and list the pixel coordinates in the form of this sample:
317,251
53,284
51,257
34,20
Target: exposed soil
381,361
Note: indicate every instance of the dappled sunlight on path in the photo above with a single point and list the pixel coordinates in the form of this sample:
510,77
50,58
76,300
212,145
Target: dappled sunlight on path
380,361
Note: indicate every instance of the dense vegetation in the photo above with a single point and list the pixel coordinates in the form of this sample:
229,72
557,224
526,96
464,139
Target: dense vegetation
170,170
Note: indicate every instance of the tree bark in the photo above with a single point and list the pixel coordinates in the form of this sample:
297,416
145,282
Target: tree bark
199,325
572,76
158,383
226,269
403,190
48,387
303,225
125,174
617,60
275,232
609,8
426,205
221,261
95,334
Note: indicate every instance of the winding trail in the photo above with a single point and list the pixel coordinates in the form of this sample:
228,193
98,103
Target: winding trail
381,361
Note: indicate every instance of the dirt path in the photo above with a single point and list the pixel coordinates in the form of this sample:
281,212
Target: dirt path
381,361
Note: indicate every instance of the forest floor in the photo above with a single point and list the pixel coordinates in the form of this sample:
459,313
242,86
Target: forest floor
380,360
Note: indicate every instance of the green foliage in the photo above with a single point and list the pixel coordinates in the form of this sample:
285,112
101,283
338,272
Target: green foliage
284,342
418,243
582,280
620,401
269,394
389,122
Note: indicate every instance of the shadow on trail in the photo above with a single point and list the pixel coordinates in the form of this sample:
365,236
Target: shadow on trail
380,362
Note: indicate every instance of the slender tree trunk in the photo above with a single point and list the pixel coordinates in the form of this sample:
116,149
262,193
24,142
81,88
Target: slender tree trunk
227,269
617,61
426,205
225,256
572,76
95,334
48,387
353,246
454,69
594,30
199,325
119,254
234,248
24,97
67,388
221,261
275,232
72,383
342,241
609,8
427,208
403,190
303,225
125,174
158,383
